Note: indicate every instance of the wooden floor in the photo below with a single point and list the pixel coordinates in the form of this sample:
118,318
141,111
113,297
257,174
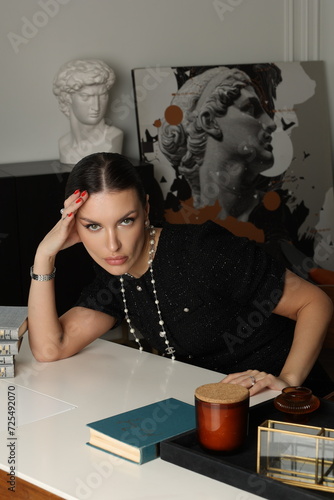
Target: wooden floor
22,490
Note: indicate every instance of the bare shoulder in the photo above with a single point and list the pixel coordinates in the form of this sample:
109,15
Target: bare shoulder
298,293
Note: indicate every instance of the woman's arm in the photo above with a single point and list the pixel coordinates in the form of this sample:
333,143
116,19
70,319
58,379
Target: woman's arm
50,337
312,310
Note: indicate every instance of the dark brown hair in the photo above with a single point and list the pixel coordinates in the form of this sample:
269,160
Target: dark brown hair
105,172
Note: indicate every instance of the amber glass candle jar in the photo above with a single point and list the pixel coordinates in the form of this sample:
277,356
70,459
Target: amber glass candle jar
297,403
221,415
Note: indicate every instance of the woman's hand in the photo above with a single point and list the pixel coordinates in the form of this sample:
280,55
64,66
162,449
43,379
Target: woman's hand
256,381
64,233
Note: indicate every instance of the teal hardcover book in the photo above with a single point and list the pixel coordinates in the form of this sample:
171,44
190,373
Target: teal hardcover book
135,435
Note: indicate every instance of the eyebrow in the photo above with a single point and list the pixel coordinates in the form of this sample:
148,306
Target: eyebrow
91,91
119,220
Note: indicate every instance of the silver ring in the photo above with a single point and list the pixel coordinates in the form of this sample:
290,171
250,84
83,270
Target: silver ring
62,210
253,379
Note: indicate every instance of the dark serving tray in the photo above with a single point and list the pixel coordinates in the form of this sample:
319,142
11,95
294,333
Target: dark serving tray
239,468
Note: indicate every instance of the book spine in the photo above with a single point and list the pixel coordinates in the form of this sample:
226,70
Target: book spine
9,347
6,360
8,334
7,371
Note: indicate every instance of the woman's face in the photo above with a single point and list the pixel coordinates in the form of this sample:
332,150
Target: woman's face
111,225
89,104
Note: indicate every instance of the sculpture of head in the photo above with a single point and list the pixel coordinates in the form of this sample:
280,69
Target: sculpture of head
79,73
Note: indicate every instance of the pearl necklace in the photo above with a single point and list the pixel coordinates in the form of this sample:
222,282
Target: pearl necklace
168,349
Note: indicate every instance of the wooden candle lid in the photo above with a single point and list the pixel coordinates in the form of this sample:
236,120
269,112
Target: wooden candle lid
222,393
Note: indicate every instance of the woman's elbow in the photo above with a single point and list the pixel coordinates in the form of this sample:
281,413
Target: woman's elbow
41,358
46,353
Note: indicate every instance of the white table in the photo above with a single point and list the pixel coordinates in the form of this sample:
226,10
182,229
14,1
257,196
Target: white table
55,401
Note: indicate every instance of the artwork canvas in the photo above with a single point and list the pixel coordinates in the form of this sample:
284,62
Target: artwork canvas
247,146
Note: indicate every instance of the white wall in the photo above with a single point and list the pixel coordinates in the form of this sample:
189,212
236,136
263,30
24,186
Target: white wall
38,36
327,53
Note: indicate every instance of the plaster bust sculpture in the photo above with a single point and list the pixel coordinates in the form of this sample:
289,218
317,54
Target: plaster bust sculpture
223,142
82,89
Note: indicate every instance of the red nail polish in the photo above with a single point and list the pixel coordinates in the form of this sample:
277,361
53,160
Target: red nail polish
83,193
78,200
69,215
76,191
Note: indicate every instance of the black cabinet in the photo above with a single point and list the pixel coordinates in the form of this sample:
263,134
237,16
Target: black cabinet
31,195
11,286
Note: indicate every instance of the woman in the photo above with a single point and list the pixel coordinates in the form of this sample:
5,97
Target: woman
196,293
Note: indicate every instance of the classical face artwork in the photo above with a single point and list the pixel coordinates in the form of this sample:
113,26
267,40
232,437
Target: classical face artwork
233,163
82,89
242,145
247,127
89,104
